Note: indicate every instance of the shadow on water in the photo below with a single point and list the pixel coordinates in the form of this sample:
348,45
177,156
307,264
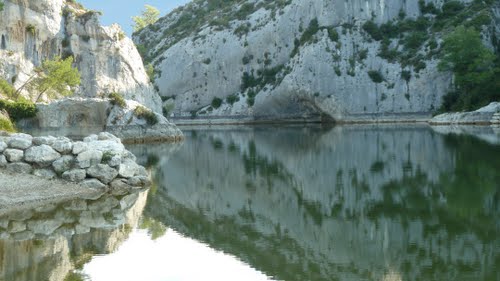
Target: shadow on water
343,203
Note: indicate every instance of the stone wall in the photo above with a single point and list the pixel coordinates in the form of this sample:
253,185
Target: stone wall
98,162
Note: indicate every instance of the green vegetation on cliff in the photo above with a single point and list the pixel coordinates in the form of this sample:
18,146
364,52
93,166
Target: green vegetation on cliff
149,16
475,67
56,77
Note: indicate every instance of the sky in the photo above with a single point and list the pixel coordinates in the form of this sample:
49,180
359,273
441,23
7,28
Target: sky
121,12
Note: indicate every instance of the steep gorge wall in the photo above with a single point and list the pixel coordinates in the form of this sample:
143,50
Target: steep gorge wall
32,31
264,56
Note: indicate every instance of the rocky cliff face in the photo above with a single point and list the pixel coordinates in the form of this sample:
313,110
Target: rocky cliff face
32,31
349,60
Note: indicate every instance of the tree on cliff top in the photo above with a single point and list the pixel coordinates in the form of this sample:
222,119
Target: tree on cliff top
149,16
56,77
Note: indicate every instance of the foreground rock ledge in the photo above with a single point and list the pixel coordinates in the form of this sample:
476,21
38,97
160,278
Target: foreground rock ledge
99,163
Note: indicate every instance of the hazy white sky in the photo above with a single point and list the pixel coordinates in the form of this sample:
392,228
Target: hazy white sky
119,11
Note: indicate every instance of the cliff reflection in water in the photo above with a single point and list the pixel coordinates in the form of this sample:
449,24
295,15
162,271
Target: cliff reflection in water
347,203
55,241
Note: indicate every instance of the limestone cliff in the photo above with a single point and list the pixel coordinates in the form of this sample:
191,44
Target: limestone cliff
32,31
348,60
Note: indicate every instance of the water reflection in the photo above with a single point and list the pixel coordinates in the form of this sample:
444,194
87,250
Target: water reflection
287,203
348,203
49,242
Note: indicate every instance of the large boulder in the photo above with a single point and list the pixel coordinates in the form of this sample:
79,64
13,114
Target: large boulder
102,172
75,175
20,141
42,155
63,164
489,114
128,168
88,158
14,155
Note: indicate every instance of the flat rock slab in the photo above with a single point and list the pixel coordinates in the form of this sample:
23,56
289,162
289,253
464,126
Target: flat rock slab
18,192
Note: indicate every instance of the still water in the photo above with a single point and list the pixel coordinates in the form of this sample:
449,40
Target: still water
280,203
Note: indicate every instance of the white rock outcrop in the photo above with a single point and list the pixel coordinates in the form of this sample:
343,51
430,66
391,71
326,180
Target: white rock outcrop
76,115
301,75
34,30
487,115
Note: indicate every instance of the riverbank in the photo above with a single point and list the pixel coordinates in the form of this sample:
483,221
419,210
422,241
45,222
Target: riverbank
43,169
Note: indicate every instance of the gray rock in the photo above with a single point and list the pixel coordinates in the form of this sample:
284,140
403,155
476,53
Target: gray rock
128,168
81,229
128,201
108,136
3,161
102,172
489,114
110,146
42,155
63,164
45,208
20,142
91,138
120,187
20,168
93,183
45,173
63,146
16,226
129,155
88,158
104,205
92,219
75,175
79,147
141,171
44,227
23,236
21,215
115,161
66,231
76,205
14,155
4,223
3,146
49,140
139,181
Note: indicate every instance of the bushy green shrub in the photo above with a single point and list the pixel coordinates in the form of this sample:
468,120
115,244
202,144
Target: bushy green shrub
143,113
333,34
19,110
117,99
232,99
376,76
373,30
451,8
406,75
31,29
427,8
216,102
6,125
6,89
